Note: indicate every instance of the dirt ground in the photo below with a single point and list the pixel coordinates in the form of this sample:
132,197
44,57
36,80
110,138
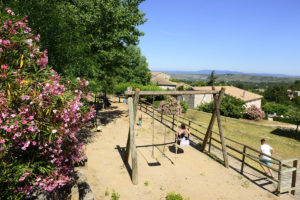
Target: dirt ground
190,173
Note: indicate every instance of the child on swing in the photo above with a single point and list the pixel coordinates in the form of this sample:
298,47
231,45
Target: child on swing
183,135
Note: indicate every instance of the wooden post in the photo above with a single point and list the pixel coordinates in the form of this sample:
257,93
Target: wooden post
217,106
279,178
161,117
173,123
189,125
243,159
146,108
212,121
153,127
132,142
209,144
135,102
294,177
164,149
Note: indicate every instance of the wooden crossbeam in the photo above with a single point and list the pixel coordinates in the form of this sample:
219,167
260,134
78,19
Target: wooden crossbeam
143,93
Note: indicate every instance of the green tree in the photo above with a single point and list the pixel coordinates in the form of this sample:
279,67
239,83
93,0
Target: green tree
296,85
276,94
272,108
294,116
239,85
91,38
211,79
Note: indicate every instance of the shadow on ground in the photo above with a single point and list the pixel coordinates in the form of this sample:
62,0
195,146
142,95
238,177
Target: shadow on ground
290,133
109,115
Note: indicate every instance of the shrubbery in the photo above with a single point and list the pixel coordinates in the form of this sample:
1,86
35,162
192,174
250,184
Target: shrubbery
255,113
40,114
230,107
184,106
279,109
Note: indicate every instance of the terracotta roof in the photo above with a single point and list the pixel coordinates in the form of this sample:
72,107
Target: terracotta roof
235,92
155,73
162,81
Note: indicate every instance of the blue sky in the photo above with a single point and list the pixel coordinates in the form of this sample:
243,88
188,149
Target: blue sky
261,36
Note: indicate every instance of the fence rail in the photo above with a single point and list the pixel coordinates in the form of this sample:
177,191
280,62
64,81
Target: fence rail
286,171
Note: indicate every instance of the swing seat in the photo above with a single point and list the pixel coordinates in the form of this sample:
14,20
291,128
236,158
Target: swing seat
182,141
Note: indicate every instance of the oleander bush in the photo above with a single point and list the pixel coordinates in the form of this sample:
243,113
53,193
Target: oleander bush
255,113
40,116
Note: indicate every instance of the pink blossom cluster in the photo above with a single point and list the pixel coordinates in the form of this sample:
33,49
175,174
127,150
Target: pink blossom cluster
170,107
40,114
255,113
9,32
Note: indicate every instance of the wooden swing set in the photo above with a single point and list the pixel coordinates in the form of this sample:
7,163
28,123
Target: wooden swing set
133,99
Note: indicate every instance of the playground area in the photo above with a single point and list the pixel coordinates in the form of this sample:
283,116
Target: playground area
191,173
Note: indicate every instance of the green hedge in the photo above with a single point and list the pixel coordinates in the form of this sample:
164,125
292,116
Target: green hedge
119,89
284,119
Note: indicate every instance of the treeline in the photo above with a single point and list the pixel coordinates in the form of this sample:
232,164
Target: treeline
95,39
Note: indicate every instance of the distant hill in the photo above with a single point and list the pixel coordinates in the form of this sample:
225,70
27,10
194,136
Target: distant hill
221,72
253,79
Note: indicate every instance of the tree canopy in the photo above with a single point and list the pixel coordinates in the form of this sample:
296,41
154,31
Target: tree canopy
95,39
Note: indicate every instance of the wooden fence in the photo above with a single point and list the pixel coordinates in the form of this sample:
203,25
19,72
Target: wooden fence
286,170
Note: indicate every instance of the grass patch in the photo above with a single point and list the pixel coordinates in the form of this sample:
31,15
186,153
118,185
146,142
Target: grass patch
106,193
245,184
249,133
174,196
115,195
146,183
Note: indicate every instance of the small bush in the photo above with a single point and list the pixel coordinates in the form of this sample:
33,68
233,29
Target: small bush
206,107
146,183
184,106
255,113
173,196
115,195
106,192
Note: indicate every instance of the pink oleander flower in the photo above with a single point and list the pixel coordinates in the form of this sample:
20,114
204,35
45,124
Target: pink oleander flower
5,42
2,141
21,179
5,67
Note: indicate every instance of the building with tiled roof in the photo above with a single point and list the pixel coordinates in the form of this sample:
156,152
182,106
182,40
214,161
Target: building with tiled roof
162,80
248,97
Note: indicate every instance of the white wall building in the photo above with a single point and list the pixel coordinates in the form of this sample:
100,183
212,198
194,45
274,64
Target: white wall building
196,100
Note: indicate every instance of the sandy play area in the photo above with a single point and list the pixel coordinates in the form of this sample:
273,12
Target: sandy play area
192,174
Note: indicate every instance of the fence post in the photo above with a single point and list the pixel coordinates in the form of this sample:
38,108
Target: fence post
294,177
279,178
173,122
243,160
161,118
146,108
189,124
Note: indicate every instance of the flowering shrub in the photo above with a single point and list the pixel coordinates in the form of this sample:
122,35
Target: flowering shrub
40,114
170,107
254,112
